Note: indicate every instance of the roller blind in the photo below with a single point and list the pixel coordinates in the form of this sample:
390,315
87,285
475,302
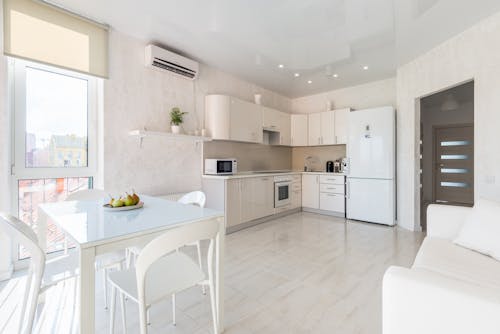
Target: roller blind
44,33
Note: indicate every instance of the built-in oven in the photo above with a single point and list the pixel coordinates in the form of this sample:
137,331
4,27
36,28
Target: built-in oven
282,190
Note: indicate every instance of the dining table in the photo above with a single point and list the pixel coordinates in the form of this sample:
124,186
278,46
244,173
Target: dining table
98,230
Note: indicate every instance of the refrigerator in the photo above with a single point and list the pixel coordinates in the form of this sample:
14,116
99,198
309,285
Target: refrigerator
371,156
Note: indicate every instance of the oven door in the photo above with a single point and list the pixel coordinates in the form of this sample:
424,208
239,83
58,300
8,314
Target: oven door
282,193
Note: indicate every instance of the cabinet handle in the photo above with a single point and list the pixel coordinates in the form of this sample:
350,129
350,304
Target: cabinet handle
331,195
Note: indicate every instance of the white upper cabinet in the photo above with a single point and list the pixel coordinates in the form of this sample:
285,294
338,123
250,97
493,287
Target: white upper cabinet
314,129
277,121
341,125
299,130
328,127
229,118
327,119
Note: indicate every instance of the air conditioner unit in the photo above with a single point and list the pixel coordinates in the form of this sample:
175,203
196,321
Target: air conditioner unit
158,58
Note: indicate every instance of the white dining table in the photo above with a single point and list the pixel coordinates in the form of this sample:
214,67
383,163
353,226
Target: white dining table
98,231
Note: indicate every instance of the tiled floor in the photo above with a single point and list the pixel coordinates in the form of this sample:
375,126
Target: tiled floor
303,273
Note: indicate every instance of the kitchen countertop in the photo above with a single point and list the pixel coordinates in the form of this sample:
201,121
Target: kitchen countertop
249,174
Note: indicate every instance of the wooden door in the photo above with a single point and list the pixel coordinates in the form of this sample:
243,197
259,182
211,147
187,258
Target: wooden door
454,164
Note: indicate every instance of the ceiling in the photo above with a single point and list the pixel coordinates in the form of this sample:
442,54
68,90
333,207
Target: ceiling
315,38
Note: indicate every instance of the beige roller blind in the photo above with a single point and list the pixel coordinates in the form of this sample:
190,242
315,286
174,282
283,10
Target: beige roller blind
40,32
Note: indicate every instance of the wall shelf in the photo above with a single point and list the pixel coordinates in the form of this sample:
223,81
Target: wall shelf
141,134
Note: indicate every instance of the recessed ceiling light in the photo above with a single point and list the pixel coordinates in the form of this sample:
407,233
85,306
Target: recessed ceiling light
335,75
309,81
365,67
281,65
296,75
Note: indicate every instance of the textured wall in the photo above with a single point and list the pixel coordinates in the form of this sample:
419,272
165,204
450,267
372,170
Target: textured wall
250,157
473,54
137,97
373,94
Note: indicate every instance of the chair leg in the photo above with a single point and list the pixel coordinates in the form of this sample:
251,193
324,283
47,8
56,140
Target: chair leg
112,310
124,320
212,304
148,318
105,286
173,309
198,246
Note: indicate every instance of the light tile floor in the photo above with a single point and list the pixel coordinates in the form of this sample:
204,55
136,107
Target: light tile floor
303,273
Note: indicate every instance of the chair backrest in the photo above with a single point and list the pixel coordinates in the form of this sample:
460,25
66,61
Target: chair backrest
207,229
194,197
21,233
87,195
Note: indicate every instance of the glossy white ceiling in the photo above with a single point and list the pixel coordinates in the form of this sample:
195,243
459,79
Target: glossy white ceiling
315,38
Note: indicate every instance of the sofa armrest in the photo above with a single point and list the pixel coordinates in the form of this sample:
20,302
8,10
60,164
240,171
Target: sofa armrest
418,301
445,221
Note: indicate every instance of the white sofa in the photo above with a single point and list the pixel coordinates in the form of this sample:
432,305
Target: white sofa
449,289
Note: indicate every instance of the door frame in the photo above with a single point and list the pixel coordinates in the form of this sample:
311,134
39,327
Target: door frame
447,126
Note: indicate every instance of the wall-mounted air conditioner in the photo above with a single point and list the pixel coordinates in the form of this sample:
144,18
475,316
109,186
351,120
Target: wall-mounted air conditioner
165,60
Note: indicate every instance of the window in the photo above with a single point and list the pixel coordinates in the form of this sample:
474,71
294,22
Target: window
54,144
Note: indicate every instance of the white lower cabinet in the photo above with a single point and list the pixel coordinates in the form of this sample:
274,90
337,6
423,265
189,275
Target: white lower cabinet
332,202
310,191
257,198
324,192
232,201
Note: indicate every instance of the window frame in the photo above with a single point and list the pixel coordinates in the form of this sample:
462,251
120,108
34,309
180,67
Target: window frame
19,171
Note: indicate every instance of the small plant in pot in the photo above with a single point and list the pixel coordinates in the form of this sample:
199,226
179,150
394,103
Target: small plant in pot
176,120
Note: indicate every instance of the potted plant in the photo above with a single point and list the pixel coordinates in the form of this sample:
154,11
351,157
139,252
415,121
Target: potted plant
176,120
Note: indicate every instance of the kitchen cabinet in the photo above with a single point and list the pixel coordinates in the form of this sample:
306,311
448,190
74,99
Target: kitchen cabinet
257,198
314,129
341,125
332,193
299,126
278,123
233,202
327,119
296,192
310,191
322,128
229,118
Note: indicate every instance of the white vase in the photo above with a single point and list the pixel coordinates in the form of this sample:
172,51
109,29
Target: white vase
176,129
257,98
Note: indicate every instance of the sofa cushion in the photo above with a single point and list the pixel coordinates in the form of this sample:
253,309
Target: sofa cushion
446,258
481,230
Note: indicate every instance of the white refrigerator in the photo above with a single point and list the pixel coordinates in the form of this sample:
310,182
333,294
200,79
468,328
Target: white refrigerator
371,152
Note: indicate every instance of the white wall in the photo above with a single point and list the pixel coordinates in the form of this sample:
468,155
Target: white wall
372,94
473,54
435,116
136,96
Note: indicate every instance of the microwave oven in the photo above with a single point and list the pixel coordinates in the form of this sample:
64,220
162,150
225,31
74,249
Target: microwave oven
220,166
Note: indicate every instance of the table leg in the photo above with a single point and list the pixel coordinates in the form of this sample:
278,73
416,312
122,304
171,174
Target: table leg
87,291
219,277
41,230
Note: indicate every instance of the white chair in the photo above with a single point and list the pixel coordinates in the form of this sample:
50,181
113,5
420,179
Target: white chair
106,262
41,274
192,198
161,271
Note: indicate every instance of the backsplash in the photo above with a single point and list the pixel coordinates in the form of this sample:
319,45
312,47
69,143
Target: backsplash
250,157
319,156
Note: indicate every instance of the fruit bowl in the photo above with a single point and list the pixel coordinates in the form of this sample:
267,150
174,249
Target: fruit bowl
108,207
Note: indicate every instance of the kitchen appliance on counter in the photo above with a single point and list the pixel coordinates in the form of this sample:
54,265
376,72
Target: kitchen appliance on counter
330,166
282,190
337,166
226,166
370,166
